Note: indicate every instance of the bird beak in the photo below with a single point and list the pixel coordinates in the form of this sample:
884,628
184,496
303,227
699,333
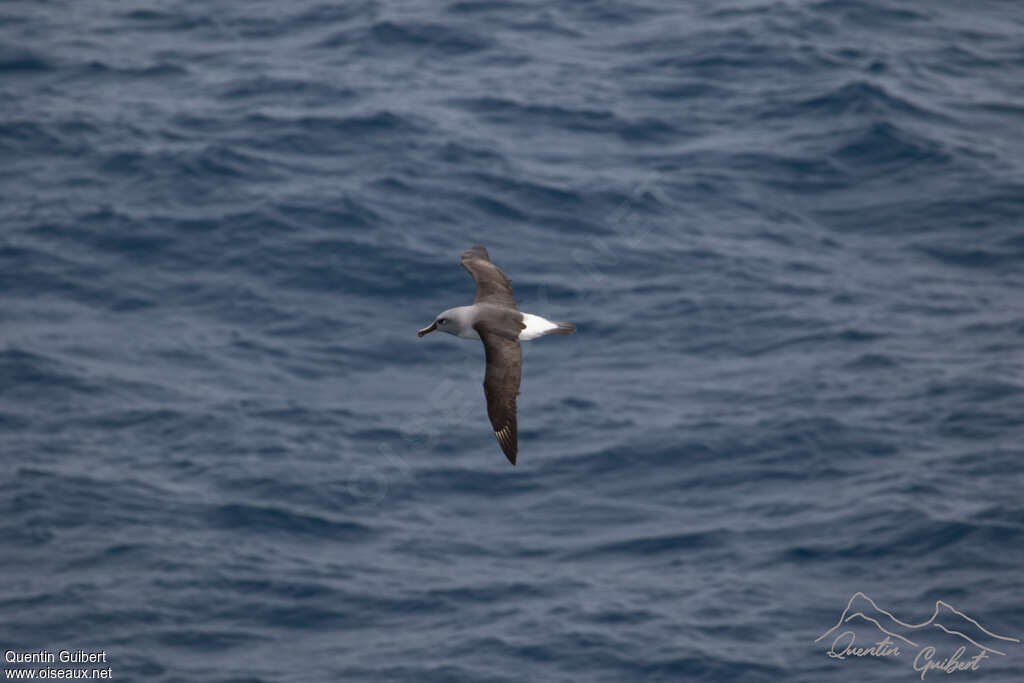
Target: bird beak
428,329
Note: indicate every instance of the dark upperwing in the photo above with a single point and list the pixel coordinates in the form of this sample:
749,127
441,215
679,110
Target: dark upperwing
492,287
501,385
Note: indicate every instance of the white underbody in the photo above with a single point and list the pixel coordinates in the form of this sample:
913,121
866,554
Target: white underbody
536,326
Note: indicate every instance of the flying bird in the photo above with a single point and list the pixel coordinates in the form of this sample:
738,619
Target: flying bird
495,319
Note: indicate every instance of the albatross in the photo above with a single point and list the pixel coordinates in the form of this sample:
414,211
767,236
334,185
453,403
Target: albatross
495,319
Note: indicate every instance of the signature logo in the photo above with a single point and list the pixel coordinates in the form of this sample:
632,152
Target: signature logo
948,642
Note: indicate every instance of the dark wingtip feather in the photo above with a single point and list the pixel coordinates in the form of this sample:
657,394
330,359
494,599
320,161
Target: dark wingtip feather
479,251
508,442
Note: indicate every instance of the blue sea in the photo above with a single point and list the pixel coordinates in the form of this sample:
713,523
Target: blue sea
791,236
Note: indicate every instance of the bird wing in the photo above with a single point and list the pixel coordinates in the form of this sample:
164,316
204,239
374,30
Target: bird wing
492,287
501,386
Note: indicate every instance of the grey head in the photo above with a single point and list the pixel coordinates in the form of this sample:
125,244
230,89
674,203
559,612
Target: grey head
458,321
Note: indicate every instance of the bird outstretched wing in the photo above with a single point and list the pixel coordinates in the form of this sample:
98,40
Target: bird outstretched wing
501,386
492,287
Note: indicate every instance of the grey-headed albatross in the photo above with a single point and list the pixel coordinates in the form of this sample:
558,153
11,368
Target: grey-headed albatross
495,319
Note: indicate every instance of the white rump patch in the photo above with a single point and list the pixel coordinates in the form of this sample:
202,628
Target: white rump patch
536,326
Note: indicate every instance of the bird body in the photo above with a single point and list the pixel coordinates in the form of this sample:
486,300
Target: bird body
461,320
495,319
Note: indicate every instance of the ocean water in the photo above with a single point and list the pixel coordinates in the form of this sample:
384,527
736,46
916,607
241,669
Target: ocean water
791,235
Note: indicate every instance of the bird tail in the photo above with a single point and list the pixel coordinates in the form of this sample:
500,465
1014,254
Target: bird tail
563,328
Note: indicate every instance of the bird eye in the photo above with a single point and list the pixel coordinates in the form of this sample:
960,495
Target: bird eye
441,321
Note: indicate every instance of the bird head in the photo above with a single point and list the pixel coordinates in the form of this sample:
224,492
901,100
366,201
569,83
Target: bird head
453,321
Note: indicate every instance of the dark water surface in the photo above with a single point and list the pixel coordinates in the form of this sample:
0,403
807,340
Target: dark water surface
791,235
